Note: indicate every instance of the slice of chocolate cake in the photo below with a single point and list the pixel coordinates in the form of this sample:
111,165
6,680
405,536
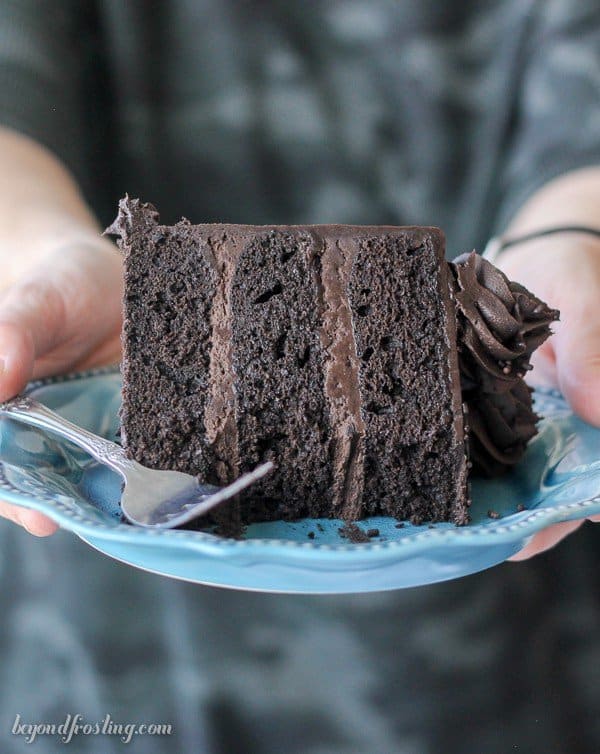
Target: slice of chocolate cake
329,350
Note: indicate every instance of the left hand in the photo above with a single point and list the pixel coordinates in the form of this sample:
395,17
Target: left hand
60,316
564,271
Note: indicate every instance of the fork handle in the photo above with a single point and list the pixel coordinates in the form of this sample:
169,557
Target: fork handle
29,411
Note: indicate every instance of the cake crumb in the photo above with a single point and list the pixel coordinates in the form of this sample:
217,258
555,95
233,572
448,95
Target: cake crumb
493,514
311,535
372,532
400,526
320,527
353,533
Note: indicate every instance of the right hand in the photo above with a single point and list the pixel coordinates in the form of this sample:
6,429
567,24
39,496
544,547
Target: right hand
62,316
564,270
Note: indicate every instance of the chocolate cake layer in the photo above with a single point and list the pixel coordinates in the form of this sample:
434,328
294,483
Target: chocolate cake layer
327,349
170,282
278,363
414,449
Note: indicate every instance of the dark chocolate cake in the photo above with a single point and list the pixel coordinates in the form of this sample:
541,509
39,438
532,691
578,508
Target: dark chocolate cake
330,350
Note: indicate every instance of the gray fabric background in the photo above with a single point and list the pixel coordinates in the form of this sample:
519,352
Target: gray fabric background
371,111
507,660
260,111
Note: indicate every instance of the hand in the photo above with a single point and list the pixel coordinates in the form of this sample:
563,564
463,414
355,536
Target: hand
63,315
564,271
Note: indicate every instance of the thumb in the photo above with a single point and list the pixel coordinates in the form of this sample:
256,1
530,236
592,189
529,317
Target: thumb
30,318
65,315
32,315
577,350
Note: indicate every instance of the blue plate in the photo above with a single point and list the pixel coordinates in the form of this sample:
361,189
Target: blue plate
558,480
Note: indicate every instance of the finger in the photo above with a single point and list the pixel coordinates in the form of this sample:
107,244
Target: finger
546,539
31,319
33,521
578,368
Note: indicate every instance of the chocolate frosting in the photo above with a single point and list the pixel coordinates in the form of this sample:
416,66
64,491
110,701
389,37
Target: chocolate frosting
500,324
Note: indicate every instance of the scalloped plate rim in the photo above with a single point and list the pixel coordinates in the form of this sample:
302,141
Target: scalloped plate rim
518,526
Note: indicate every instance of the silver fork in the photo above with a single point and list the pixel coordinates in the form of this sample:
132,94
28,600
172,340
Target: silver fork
150,498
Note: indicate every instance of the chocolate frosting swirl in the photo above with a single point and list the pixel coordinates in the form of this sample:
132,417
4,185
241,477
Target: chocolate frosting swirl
500,324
